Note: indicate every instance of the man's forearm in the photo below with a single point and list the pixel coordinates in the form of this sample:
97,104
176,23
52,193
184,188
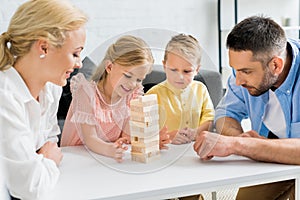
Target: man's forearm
228,126
269,150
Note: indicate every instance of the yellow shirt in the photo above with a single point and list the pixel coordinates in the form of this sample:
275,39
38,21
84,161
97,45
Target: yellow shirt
180,108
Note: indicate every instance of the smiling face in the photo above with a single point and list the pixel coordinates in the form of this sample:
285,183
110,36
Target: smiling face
250,74
179,72
124,80
59,63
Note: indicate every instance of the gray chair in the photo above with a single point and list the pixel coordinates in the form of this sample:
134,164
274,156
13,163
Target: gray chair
212,80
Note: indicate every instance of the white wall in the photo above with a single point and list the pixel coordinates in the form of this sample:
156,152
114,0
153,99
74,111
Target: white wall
109,18
276,9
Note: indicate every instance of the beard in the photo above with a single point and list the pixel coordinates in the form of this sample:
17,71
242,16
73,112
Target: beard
267,82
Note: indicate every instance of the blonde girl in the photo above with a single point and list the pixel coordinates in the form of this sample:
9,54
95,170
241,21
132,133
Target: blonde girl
99,113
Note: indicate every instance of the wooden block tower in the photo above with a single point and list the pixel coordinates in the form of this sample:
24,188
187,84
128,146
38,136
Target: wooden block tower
144,128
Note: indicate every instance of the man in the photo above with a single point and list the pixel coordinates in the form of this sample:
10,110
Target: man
265,87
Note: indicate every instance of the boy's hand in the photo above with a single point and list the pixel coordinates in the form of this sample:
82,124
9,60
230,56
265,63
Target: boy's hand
189,133
180,137
164,138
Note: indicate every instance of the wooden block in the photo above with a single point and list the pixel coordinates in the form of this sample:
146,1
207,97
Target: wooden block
144,134
143,149
143,124
144,139
150,113
145,145
142,109
143,130
148,97
146,100
139,103
145,157
141,118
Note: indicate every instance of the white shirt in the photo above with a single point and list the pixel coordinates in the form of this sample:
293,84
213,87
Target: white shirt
274,117
3,190
25,125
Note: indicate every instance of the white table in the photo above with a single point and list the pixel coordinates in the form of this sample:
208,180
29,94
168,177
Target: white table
178,172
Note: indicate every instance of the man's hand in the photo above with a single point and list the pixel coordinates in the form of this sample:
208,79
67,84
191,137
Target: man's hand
251,134
210,144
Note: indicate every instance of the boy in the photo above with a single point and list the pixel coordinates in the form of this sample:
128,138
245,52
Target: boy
185,105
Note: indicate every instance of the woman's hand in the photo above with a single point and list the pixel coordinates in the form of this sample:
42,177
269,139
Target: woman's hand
51,151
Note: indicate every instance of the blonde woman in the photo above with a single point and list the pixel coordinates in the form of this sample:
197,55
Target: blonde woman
99,112
39,50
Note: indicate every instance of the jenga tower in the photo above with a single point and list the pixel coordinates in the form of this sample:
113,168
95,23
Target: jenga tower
144,128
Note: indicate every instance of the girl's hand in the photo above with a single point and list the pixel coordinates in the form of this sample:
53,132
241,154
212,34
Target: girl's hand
125,139
118,148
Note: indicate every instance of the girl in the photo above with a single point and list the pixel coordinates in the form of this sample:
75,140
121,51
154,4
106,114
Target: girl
99,112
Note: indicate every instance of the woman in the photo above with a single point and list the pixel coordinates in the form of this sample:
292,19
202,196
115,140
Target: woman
38,53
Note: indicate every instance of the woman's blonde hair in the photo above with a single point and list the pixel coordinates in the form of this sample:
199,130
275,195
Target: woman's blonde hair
186,46
127,51
38,19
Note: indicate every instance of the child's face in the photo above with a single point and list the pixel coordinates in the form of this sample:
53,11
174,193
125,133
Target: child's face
179,72
125,80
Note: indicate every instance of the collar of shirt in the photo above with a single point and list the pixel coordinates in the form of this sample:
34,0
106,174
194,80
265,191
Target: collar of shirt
287,85
17,84
175,90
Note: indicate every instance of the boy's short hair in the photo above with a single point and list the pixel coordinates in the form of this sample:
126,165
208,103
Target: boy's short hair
186,46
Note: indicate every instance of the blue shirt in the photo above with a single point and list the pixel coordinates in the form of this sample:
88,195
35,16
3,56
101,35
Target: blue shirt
237,103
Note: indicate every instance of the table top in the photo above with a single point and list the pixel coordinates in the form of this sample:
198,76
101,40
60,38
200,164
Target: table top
178,172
